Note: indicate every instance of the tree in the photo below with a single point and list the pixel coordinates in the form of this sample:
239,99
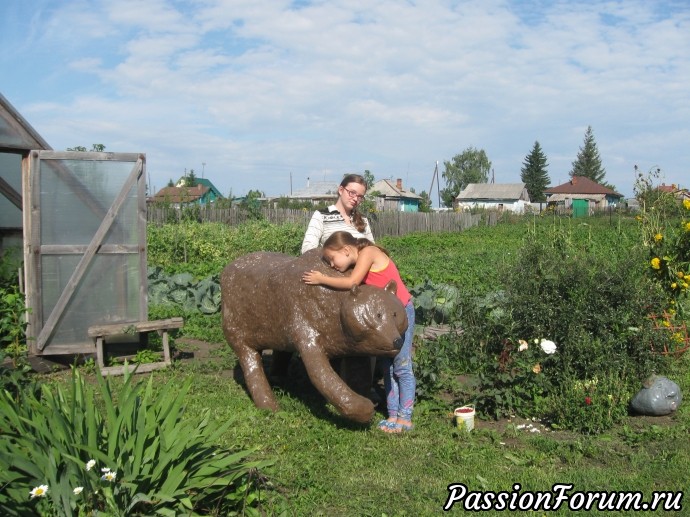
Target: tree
534,173
588,162
425,202
252,204
95,148
369,179
171,183
472,166
190,179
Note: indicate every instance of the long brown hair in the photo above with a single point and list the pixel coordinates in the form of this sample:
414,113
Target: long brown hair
338,240
355,216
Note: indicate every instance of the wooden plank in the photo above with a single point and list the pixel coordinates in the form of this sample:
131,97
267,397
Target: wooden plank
11,194
82,266
100,355
31,220
78,347
132,327
100,332
141,226
142,368
93,156
79,249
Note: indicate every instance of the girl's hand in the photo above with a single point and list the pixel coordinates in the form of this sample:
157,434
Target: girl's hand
312,277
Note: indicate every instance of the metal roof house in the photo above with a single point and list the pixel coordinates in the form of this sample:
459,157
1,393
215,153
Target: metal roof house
202,193
317,192
680,193
582,195
393,197
512,197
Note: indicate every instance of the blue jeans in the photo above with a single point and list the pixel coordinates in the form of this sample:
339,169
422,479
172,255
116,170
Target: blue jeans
398,378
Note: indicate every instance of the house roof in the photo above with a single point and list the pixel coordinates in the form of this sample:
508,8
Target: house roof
317,189
581,185
180,194
16,132
390,189
207,183
204,182
485,191
563,197
676,190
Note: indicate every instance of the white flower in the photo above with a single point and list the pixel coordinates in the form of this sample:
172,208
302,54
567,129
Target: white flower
523,345
105,469
90,464
78,490
109,476
39,491
549,347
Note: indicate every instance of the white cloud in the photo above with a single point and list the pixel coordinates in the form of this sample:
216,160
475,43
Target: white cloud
258,89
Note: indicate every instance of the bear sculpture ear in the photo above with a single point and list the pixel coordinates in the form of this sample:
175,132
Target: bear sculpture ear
354,290
391,287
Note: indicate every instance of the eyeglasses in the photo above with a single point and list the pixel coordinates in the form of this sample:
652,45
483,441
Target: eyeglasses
353,194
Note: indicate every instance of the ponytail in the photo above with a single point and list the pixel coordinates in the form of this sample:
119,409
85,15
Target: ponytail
358,221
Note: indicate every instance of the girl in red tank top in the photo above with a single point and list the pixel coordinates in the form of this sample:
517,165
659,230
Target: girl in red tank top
371,265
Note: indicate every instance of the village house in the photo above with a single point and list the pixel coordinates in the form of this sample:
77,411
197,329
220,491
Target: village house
202,193
391,196
582,195
317,192
511,197
681,194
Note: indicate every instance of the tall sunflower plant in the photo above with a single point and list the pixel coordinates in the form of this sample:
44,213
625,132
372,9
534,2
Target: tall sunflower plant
665,225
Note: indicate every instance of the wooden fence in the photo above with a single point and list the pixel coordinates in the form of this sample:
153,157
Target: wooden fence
382,223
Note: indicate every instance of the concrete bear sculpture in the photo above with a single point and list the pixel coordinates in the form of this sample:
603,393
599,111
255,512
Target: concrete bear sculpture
265,305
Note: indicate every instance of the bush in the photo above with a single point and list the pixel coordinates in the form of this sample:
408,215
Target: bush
591,405
594,306
204,249
517,380
573,289
134,455
436,365
13,324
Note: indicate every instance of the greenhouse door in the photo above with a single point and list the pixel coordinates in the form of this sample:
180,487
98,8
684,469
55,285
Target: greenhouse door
84,246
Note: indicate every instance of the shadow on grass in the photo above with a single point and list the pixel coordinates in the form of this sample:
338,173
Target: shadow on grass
289,378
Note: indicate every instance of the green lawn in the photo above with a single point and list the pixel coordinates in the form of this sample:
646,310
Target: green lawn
326,465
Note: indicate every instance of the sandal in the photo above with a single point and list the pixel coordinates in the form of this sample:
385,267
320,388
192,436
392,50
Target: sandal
405,428
386,425
399,428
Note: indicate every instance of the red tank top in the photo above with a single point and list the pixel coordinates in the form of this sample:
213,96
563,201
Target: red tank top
381,277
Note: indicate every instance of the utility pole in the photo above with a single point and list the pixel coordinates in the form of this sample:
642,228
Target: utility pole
203,168
434,176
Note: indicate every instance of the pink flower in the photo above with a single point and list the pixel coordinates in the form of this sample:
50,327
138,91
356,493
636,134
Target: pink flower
588,401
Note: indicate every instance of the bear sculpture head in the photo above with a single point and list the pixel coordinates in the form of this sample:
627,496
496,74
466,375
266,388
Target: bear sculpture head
377,324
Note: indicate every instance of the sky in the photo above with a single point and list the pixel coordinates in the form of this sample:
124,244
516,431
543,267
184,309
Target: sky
270,94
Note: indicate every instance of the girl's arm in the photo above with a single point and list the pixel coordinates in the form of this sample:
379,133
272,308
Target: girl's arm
364,262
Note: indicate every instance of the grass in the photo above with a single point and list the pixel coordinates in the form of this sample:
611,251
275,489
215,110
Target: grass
327,465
